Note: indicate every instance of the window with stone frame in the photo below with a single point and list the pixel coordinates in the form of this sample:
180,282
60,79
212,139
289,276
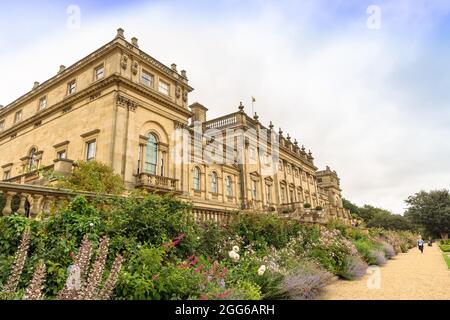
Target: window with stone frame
229,185
147,79
6,175
254,190
196,178
2,125
99,72
61,155
91,147
214,188
72,87
164,87
42,103
18,116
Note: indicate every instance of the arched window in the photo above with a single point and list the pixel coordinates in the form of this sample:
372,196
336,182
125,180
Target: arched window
151,154
229,183
214,182
32,163
196,179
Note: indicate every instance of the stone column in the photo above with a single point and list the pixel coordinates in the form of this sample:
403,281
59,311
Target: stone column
7,210
47,203
23,199
35,206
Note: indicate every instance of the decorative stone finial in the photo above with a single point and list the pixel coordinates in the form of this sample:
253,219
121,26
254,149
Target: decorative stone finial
271,125
296,142
61,68
241,106
256,117
120,34
134,42
310,153
303,148
328,168
35,85
174,67
183,73
288,137
280,132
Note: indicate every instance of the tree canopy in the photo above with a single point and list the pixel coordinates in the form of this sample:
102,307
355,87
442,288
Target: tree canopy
431,210
93,176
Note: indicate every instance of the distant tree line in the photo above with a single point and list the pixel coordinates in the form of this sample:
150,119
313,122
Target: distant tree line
379,218
427,212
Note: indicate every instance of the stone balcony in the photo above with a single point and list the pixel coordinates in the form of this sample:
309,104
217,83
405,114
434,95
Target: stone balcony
156,183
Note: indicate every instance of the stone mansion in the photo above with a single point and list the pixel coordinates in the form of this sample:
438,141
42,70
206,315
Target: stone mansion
122,107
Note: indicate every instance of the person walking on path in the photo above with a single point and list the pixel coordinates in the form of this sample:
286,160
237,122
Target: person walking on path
420,243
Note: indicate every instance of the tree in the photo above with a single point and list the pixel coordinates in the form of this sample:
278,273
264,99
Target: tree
93,176
431,210
390,222
353,208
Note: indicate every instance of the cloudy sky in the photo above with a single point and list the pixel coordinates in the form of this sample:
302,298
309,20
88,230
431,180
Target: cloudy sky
366,88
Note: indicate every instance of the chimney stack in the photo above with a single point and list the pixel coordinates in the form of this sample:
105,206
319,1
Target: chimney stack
61,68
120,33
134,42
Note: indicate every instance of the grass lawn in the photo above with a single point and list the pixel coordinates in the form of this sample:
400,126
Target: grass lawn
447,259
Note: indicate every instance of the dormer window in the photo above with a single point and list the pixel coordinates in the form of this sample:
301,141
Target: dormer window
99,72
18,116
164,87
147,79
42,103
71,87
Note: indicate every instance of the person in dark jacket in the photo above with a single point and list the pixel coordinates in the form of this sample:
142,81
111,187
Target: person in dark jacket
420,244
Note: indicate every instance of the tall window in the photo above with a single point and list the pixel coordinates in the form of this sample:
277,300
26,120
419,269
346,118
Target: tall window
229,183
283,195
90,150
99,72
196,179
18,116
164,87
32,163
151,154
214,182
6,175
71,87
254,190
42,103
147,79
268,194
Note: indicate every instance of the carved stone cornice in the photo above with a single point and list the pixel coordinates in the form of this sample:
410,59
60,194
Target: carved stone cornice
126,102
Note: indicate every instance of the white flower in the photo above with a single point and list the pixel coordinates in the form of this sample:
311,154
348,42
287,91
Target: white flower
236,257
232,254
236,249
91,224
261,270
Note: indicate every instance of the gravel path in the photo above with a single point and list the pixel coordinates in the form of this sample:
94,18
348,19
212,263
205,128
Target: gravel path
408,276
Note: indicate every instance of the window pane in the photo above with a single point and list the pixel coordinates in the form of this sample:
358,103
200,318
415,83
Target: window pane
147,79
164,87
151,156
99,72
90,150
214,183
196,178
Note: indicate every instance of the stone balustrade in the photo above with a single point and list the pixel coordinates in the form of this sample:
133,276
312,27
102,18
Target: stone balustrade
211,215
155,182
36,201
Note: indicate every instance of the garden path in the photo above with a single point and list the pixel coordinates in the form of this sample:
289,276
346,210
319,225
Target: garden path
408,276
